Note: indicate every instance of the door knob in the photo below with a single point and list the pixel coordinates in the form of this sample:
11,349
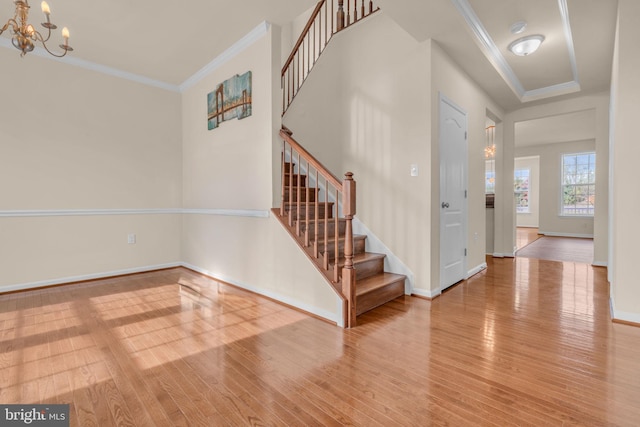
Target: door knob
445,205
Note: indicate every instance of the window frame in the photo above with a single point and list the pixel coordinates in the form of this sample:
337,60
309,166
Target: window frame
527,191
591,170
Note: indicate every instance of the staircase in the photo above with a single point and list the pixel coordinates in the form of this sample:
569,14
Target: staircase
317,210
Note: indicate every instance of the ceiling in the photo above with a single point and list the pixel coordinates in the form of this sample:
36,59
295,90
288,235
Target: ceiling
161,40
575,57
170,41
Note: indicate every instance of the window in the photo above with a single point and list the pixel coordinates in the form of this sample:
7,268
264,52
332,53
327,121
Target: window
489,177
521,183
578,184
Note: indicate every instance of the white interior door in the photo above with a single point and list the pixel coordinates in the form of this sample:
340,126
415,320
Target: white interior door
453,193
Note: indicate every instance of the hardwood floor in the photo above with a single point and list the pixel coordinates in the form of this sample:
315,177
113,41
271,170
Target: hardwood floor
526,342
571,249
525,236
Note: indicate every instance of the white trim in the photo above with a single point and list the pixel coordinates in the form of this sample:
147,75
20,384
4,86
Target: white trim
499,255
492,52
94,276
93,66
392,263
254,35
560,234
86,212
334,317
621,315
225,56
426,293
228,212
108,212
476,270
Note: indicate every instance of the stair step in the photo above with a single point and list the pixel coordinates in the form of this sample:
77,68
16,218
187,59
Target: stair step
302,214
366,264
305,192
287,179
331,227
288,166
376,290
358,245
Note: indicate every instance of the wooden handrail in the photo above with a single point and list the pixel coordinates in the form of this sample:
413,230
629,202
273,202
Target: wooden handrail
295,208
304,33
285,134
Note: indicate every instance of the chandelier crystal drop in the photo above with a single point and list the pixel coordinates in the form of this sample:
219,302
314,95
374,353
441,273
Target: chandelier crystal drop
24,36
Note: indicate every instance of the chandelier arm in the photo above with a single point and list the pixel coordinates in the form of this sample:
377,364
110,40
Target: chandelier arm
52,53
11,22
43,40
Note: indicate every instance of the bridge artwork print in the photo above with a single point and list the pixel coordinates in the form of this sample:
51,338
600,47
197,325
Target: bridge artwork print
231,99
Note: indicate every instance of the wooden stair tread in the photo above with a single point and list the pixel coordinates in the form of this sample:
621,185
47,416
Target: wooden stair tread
332,239
362,257
376,282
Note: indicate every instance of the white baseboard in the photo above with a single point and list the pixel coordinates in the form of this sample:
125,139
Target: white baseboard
426,293
621,315
499,255
331,316
476,270
556,234
94,276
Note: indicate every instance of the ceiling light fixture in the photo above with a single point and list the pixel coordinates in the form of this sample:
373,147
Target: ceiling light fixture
23,35
526,45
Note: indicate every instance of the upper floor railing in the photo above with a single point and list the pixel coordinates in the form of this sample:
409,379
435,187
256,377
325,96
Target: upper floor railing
328,18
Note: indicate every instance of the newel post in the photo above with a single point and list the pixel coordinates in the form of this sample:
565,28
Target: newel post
340,15
348,272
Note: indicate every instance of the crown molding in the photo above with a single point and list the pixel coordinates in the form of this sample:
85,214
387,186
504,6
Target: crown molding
503,68
251,37
246,41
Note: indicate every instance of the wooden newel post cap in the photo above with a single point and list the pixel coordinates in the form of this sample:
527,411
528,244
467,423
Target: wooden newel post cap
349,175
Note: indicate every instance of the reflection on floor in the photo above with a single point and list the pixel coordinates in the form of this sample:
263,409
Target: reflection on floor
526,235
570,249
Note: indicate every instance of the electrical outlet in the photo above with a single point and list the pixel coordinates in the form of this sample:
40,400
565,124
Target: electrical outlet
131,238
414,170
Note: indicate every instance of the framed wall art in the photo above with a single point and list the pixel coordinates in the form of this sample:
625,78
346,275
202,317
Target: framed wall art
230,100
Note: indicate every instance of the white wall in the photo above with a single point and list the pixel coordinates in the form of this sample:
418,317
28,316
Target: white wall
72,139
532,163
625,92
376,120
551,222
373,120
229,175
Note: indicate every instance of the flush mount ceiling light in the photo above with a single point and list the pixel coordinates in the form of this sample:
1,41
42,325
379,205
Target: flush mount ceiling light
526,45
24,35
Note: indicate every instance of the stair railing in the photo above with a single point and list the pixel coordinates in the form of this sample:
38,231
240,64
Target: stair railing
328,18
327,187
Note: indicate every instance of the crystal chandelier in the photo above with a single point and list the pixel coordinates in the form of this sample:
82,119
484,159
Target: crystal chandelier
24,35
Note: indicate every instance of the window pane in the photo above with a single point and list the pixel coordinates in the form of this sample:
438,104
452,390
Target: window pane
521,188
578,179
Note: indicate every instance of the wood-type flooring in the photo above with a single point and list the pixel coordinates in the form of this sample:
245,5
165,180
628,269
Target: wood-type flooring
526,342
